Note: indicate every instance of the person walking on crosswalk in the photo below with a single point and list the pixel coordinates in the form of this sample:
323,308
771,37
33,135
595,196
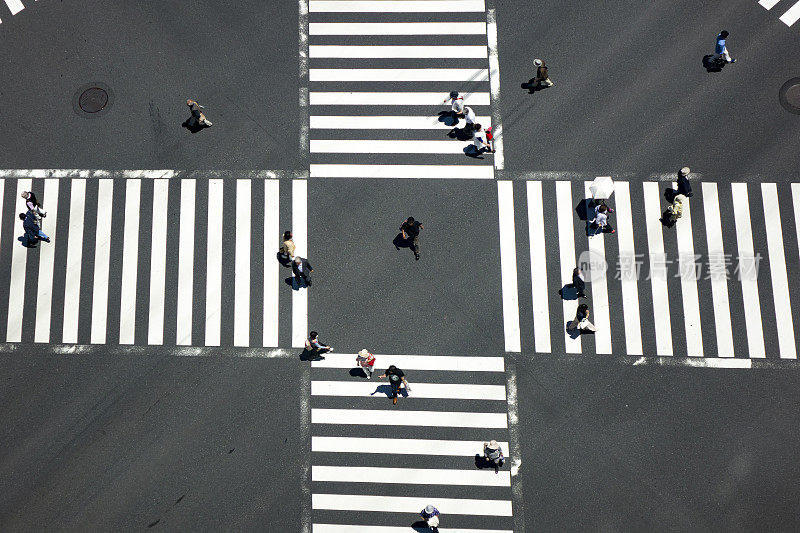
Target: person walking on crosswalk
600,221
431,515
33,205
581,321
396,378
287,249
493,454
456,104
302,271
33,233
578,283
542,75
366,361
315,348
480,140
469,117
684,187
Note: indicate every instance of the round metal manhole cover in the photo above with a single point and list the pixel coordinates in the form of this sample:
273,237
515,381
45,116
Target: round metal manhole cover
790,96
93,99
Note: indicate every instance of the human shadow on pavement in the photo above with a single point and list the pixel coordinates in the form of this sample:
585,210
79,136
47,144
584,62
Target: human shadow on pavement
357,373
666,220
710,65
284,261
307,355
462,134
583,209
531,86
294,283
422,525
387,390
568,292
472,151
193,125
400,242
448,118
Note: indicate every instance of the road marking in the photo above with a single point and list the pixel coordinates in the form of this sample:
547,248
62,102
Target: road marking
792,15
183,327
508,266
566,250
72,279
397,28
777,267
214,263
376,122
688,273
494,85
102,255
243,263
374,146
380,417
454,448
411,476
19,261
398,74
628,269
418,362
748,272
391,99
397,52
768,4
44,289
599,286
15,6
271,267
539,296
371,389
158,262
396,6
300,234
130,256
458,172
346,528
405,504
717,270
658,270
2,192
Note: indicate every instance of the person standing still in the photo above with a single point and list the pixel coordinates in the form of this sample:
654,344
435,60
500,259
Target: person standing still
315,347
302,270
287,248
197,116
410,230
396,378
542,76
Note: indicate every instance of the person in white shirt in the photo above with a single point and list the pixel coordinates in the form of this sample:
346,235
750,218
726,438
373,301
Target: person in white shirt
600,221
480,140
456,104
469,117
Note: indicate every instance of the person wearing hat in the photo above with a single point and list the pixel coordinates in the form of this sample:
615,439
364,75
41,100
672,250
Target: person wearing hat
684,187
396,378
542,77
493,453
431,515
366,361
456,104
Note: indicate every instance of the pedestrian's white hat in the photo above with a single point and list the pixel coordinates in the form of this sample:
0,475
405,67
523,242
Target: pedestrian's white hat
537,62
685,171
363,353
493,444
429,509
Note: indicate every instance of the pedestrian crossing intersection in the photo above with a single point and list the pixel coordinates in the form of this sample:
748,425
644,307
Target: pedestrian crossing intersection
375,465
714,285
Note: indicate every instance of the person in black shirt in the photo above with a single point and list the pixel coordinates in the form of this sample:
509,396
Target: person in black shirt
410,230
396,378
198,117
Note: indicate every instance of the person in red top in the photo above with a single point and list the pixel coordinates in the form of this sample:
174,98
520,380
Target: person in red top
367,362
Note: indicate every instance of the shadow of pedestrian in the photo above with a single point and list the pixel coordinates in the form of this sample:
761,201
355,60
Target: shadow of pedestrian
710,65
462,134
669,194
193,125
472,151
422,525
448,118
357,373
584,208
283,260
573,333
666,220
568,292
531,86
294,283
400,242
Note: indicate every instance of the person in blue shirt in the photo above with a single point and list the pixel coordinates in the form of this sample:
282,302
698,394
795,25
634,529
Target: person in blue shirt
721,49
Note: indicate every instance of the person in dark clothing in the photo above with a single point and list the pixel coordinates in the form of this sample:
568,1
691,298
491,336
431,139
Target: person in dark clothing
33,233
577,282
410,230
198,117
542,76
315,348
302,270
684,187
396,378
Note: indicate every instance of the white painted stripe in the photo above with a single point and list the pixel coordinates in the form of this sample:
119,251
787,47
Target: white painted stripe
2,193
372,389
94,173
158,262
271,266
19,261
373,146
777,266
792,15
658,269
795,202
214,263
396,6
15,6
44,289
391,99
494,84
375,122
380,417
455,448
183,328
768,4
747,271
406,504
130,256
241,309
628,268
540,297
410,476
396,52
508,265
566,247
687,264
599,285
300,234
398,74
346,528
397,28
458,172
717,270
102,252
417,362
72,279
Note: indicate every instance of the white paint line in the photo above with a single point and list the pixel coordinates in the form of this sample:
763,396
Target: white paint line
406,504
566,248
382,122
458,172
447,363
349,445
243,262
508,265
300,234
2,193
514,454
271,266
494,84
398,74
19,261
748,272
102,253
346,528
628,268
600,316
717,271
658,269
392,99
792,15
538,253
381,390
303,33
795,203
130,256
396,6
777,266
15,6
72,279
158,262
687,268
374,146
213,327
768,4
183,328
44,296
83,173
410,476
397,28
318,51
381,417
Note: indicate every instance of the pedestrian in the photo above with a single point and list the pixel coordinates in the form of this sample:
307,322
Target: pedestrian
578,283
600,221
198,117
302,270
581,321
431,515
396,378
469,117
684,187
315,347
493,454
675,209
287,248
480,140
366,361
33,233
721,48
33,205
542,76
456,104
410,230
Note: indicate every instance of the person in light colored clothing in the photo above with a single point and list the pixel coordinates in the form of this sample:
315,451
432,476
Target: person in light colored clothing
366,361
456,104
469,117
431,515
581,321
494,454
287,248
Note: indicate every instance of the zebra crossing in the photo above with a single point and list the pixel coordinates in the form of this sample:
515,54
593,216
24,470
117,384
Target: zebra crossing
790,16
379,72
148,262
375,466
714,285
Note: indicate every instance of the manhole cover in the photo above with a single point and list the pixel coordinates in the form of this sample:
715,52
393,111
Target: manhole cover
93,99
790,96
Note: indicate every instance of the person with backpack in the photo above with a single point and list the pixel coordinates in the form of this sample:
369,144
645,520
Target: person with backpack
366,361
396,378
